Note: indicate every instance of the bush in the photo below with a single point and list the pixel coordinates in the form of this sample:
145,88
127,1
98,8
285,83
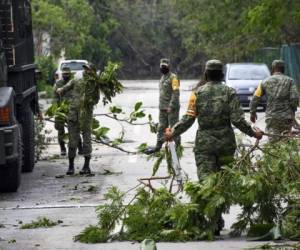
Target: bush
46,65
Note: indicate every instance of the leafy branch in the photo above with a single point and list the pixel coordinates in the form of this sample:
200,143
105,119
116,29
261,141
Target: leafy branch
269,198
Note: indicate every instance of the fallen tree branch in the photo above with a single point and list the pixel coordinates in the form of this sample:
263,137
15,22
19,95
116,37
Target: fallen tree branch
122,120
108,144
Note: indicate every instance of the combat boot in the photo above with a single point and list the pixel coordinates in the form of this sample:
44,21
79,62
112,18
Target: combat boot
63,150
152,150
71,170
80,149
86,167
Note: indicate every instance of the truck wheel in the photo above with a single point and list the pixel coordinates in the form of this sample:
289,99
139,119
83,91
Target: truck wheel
28,140
10,175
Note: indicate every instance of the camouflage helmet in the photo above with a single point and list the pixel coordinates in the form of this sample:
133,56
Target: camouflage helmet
66,70
278,63
214,65
165,62
89,66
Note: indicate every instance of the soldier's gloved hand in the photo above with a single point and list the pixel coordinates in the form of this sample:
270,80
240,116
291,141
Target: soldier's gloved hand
168,134
258,134
59,91
253,118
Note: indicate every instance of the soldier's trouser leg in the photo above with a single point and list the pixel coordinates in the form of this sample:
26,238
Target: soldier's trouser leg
210,162
277,128
79,146
173,118
60,127
163,124
86,130
74,132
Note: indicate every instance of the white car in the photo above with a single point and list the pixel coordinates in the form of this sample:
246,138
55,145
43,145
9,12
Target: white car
74,65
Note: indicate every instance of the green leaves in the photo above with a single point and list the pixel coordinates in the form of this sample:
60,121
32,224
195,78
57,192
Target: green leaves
109,215
137,113
41,222
137,106
260,189
101,133
92,234
58,111
115,109
108,83
142,147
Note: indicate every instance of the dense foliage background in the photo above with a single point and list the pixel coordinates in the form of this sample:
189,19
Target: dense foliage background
139,32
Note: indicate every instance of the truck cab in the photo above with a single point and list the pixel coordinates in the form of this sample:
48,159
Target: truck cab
18,93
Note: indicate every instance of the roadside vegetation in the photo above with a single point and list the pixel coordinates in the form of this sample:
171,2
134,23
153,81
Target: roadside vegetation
139,32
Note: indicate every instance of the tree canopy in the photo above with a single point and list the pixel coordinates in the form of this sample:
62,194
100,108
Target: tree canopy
139,32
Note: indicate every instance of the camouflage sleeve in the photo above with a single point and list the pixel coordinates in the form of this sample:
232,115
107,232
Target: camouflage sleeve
67,87
256,98
188,119
237,116
174,103
56,98
294,96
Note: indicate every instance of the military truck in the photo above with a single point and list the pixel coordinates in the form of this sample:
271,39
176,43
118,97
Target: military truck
18,93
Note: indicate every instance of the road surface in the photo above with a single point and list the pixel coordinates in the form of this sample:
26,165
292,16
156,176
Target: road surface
43,194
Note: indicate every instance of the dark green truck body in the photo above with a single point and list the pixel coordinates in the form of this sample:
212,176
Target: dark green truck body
18,93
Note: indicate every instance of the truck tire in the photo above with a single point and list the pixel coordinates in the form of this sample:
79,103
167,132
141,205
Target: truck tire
28,140
10,175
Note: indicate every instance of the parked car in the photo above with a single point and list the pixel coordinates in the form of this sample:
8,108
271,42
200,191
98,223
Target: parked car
244,78
74,65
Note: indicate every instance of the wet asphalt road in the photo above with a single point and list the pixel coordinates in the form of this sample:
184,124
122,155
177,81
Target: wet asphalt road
47,192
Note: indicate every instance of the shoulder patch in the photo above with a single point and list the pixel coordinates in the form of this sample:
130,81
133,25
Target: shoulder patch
192,105
175,83
259,91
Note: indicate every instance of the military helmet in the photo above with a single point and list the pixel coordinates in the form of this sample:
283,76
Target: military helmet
214,65
89,66
165,62
278,63
66,70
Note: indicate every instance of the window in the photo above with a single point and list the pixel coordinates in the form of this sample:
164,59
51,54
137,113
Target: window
248,72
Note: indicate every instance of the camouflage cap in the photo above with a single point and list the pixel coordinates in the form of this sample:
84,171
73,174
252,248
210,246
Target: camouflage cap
214,65
278,63
66,70
165,62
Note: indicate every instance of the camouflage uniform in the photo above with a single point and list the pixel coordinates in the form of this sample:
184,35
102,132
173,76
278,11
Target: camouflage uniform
59,125
75,127
282,102
168,98
216,106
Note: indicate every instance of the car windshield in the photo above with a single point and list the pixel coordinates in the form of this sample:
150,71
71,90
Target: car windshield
248,72
73,65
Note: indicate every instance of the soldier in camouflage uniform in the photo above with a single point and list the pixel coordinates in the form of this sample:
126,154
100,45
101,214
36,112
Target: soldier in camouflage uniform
79,121
169,104
282,101
216,106
59,125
